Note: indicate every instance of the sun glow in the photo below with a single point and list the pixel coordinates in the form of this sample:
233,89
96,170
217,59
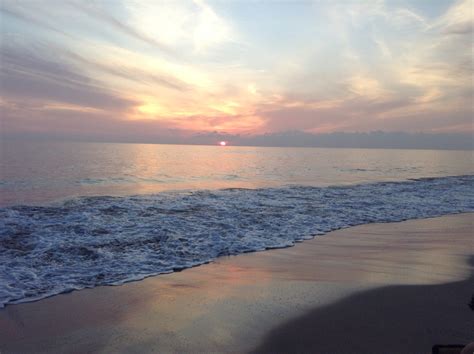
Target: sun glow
150,108
223,143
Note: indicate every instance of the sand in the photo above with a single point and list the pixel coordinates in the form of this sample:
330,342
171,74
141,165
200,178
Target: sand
398,287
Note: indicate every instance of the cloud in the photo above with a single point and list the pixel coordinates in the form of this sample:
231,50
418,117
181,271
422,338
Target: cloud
375,139
192,24
50,120
367,87
127,72
458,19
198,66
91,9
14,10
26,75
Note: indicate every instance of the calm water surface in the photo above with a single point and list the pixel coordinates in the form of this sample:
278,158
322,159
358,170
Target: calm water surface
41,172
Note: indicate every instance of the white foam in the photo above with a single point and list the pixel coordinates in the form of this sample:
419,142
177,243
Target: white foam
90,241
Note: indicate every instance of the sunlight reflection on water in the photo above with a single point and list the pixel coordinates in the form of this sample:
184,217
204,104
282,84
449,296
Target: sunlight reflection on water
39,172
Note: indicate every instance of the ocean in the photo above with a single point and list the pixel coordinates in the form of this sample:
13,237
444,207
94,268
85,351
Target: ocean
79,215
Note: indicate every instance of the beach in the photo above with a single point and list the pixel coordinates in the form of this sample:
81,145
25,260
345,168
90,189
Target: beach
394,287
236,177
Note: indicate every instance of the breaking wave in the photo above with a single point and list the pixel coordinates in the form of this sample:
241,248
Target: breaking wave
91,241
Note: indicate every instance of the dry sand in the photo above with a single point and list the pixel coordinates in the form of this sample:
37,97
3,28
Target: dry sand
398,287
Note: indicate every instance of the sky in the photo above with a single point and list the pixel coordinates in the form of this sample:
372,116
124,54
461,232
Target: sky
140,70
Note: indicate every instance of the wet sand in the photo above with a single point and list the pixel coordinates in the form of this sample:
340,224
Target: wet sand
392,319
398,287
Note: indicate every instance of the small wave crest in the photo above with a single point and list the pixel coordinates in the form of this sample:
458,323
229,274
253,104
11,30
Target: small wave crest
90,241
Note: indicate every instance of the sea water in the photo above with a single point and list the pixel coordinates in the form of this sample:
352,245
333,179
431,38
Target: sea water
77,215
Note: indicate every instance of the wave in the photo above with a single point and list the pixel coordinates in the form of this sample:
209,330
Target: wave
91,241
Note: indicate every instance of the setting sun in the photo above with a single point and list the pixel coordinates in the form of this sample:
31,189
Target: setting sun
223,143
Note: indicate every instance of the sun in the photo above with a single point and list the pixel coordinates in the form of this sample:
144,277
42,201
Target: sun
223,143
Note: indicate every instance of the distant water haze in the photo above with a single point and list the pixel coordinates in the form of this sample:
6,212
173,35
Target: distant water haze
39,172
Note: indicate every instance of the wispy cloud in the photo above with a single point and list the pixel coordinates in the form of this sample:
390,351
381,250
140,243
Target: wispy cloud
126,72
459,19
26,75
193,24
91,9
13,9
236,67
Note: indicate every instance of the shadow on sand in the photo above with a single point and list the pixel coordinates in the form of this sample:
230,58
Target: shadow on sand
393,319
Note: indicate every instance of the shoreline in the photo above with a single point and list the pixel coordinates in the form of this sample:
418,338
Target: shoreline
179,269
233,303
